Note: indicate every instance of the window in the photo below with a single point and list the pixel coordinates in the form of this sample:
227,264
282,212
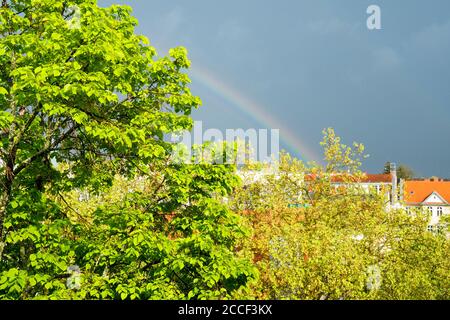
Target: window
430,210
378,188
430,228
439,211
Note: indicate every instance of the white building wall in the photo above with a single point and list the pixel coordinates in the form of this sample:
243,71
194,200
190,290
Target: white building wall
437,212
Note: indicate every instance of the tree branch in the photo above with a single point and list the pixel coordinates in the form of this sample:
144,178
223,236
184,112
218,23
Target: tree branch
44,151
27,126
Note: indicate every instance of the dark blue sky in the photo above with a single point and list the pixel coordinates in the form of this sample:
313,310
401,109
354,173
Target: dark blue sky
314,64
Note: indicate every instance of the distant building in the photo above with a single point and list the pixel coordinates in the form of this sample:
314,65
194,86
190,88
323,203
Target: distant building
386,183
381,183
431,194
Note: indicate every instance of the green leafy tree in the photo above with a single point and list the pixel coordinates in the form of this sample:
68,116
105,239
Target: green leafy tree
340,157
84,102
405,172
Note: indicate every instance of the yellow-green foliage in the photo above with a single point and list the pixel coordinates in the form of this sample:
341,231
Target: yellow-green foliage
345,243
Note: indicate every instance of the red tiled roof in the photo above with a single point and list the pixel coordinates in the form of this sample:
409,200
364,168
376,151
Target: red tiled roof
417,191
366,178
374,178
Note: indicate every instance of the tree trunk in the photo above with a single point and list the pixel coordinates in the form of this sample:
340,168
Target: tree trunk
5,194
5,198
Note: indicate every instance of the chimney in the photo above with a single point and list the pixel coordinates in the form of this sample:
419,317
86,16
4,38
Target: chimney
393,170
401,190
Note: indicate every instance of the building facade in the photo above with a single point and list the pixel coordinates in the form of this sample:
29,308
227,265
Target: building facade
429,194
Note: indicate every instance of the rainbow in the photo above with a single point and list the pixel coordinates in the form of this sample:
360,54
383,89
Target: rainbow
254,110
